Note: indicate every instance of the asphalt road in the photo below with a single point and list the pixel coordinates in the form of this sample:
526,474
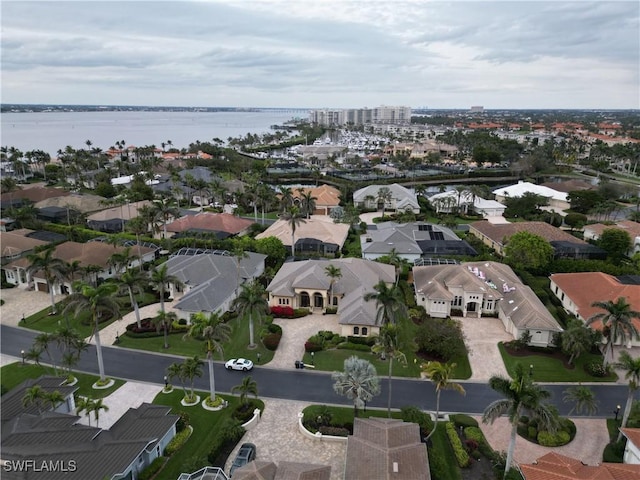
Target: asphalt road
304,385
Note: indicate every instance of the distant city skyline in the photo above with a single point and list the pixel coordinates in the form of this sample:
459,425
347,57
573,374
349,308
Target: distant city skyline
323,54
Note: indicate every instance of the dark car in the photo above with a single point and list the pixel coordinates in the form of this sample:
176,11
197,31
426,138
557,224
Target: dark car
246,454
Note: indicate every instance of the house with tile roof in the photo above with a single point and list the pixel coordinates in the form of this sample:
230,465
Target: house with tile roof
86,452
632,449
565,245
554,466
558,201
386,449
210,282
113,219
412,241
489,288
449,202
578,291
306,285
222,225
17,243
326,198
402,199
317,235
595,230
30,195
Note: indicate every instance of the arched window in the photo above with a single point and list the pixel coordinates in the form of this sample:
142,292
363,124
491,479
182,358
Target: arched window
305,301
356,330
365,331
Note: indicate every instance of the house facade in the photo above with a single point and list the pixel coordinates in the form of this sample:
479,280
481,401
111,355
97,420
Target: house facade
594,231
306,285
402,199
449,202
475,289
632,448
558,201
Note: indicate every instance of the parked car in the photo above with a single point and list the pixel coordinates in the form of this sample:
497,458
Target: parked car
246,454
239,364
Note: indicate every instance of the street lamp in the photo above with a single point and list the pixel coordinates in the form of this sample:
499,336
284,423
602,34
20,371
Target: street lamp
312,358
166,383
258,355
531,370
617,411
23,356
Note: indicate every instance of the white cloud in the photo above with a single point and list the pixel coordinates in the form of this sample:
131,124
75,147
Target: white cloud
323,53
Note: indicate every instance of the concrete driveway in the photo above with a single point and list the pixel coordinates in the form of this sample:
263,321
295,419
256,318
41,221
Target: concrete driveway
19,302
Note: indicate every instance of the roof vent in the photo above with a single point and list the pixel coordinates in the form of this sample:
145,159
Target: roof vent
395,467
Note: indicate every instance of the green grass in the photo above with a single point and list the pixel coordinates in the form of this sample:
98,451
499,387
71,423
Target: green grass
547,369
179,345
14,374
205,428
43,322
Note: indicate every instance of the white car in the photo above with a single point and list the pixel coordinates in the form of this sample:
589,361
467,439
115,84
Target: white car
239,364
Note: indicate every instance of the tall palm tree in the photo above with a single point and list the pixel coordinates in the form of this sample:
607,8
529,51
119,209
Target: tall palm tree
384,196
134,281
440,375
138,226
631,368
214,332
358,382
192,368
51,267
308,203
251,303
248,386
98,301
95,406
618,317
583,399
83,404
286,198
163,320
163,212
72,270
333,273
522,396
175,370
391,305
576,340
388,346
42,342
160,278
54,398
120,259
294,218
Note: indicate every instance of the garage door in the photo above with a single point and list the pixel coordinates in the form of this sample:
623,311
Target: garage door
42,287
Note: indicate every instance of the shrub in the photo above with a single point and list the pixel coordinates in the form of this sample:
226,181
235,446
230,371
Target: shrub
415,415
230,433
524,419
183,421
244,412
438,464
182,321
370,341
441,337
471,445
312,347
596,369
462,457
282,312
461,420
152,469
331,310
353,346
557,439
300,312
335,431
532,432
274,328
271,341
476,434
177,442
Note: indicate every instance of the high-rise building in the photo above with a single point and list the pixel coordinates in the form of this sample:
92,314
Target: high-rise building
361,116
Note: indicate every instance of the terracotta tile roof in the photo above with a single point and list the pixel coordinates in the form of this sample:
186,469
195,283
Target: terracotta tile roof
319,227
554,466
587,287
632,228
326,195
633,435
215,222
499,232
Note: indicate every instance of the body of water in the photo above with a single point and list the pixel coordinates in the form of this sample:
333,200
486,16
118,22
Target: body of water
52,131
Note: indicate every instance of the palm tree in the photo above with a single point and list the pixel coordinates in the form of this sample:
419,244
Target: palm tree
175,370
83,404
250,302
440,375
215,332
120,260
576,340
98,301
41,343
391,306
583,399
333,273
34,395
54,398
51,267
294,218
192,368
396,260
134,281
522,396
163,320
138,226
384,197
95,406
358,382
388,345
72,269
307,202
286,198
248,386
631,368
160,278
163,212
618,317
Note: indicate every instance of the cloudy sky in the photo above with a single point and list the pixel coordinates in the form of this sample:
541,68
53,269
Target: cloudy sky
323,53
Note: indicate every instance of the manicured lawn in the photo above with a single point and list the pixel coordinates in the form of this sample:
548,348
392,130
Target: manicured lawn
44,322
179,345
548,369
15,373
206,426
344,415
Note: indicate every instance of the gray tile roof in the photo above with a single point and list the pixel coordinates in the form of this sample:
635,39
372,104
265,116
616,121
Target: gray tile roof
262,470
12,401
404,238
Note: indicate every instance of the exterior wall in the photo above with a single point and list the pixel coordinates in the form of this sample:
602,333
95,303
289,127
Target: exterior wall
631,454
486,240
410,257
348,330
567,303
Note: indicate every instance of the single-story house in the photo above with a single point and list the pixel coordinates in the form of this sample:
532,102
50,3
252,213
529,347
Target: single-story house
578,291
318,234
56,438
113,219
306,285
412,241
386,449
16,244
402,199
489,288
223,225
87,254
81,202
558,201
210,282
554,466
326,198
30,195
263,470
632,449
565,245
447,202
593,232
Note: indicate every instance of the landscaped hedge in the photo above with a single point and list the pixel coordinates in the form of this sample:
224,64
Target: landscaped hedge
369,341
152,469
312,347
271,341
462,457
229,435
557,439
596,369
335,431
177,441
289,312
353,346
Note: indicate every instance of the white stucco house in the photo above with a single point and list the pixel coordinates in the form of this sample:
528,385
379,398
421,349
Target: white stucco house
447,202
402,199
558,201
